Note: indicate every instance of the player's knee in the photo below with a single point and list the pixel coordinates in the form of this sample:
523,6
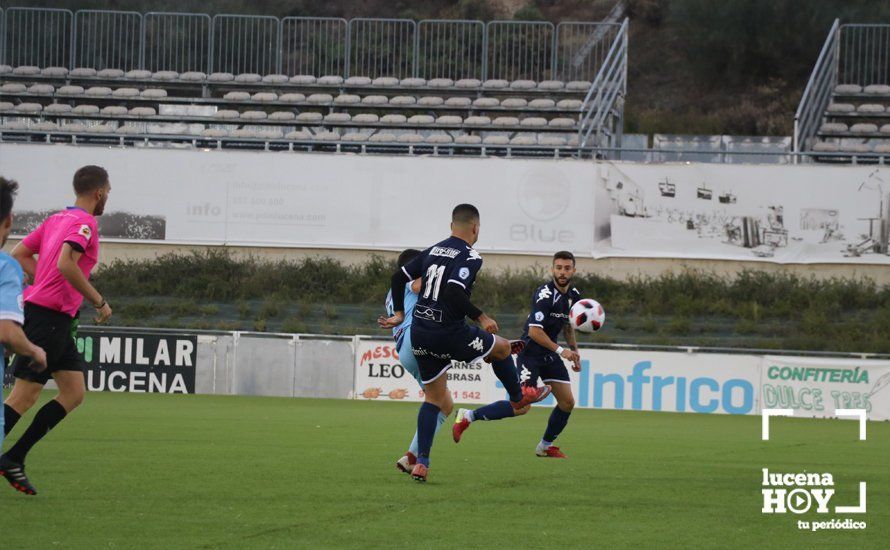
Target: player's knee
71,399
566,404
22,401
501,350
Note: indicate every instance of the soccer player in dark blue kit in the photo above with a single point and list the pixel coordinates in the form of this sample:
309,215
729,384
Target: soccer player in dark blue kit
440,334
542,357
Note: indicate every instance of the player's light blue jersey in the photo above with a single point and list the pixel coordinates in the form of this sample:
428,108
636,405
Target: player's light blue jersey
11,304
410,302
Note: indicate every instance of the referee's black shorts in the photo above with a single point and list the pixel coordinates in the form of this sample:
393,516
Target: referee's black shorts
54,332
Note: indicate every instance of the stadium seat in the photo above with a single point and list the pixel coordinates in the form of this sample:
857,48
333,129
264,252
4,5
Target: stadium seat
220,77
885,129
113,110
275,79
449,120
26,70
542,103
57,108
248,78
53,72
292,98
226,114
458,102
468,139
330,80
270,133
165,76
431,101
569,104
841,108
468,83
326,136
523,85
320,99
354,136
533,122
298,135
7,106
237,96
523,140
551,85
505,121
552,141
514,103
70,90
112,74
347,99
337,117
366,118
358,81
393,119
439,139
375,100
883,148
855,148
477,121
832,127
877,89
15,125
410,138
420,120
28,108
561,122
41,89
193,76
138,74
578,85
130,129
310,117
254,115
870,108
106,128
402,100
412,82
384,137
5,69
125,92
282,115
485,102
247,133
495,84
385,82
864,128
73,127
143,111
440,83
82,72
45,126
847,89
86,109
302,79
13,88
97,91
496,140
264,97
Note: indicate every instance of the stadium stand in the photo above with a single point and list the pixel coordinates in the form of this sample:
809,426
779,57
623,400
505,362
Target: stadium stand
535,89
844,114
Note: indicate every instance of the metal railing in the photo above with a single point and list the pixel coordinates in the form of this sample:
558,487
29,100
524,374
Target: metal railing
245,44
455,49
603,107
37,36
176,42
817,94
314,45
864,54
519,50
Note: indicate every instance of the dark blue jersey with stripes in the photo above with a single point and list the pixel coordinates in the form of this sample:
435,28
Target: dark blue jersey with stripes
550,311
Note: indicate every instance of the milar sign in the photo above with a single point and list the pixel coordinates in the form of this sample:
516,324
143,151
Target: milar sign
138,362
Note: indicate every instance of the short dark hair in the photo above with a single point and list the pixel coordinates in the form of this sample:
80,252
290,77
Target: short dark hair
407,255
465,213
564,255
8,189
89,178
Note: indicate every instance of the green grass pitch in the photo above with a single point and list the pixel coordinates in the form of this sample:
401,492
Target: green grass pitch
160,471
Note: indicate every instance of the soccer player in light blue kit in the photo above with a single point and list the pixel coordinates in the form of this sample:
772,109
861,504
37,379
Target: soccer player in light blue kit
12,312
402,335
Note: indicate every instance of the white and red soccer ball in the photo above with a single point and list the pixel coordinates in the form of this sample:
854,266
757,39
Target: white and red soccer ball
587,315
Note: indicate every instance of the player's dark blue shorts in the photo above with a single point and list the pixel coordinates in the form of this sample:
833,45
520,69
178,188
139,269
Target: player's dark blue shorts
435,350
548,367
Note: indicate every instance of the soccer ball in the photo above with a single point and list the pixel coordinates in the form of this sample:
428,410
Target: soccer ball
587,315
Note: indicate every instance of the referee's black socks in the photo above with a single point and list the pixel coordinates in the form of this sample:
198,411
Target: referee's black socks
45,420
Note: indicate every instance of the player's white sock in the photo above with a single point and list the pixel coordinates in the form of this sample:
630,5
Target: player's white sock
469,416
544,445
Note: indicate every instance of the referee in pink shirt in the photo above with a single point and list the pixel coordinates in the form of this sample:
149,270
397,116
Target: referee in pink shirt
67,249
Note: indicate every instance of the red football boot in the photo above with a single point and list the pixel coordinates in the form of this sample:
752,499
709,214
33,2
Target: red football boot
420,472
460,424
550,452
531,395
407,462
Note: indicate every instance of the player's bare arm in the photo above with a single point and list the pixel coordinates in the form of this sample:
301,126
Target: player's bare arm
25,257
540,337
67,265
13,337
571,340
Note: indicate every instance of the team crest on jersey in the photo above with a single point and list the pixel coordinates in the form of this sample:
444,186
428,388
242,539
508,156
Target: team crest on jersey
544,293
476,344
464,273
85,231
539,316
